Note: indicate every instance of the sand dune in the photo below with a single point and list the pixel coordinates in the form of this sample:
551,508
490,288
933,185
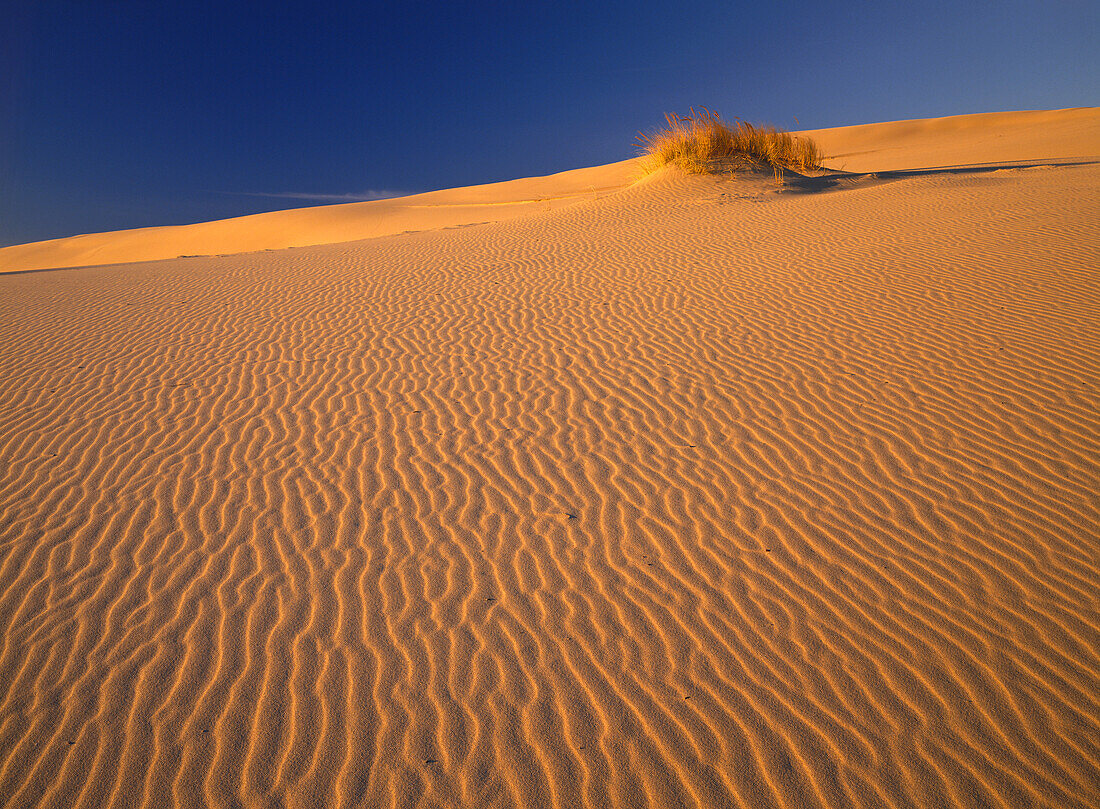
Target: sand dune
301,227
961,140
697,494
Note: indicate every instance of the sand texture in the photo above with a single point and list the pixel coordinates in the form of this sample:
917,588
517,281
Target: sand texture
962,140
697,493
304,227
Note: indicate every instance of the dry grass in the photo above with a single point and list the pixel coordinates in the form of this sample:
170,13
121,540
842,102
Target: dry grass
704,144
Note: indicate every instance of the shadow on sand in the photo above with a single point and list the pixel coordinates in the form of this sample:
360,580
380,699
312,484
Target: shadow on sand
839,180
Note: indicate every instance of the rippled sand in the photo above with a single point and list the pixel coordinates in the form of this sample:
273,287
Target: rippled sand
689,492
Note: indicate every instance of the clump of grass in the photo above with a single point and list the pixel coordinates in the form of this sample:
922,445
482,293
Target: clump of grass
702,143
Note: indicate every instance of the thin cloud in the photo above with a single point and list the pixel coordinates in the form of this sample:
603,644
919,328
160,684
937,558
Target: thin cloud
365,196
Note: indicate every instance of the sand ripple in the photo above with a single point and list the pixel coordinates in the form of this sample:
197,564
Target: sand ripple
693,495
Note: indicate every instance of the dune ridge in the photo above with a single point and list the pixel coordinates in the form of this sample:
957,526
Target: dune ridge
696,494
325,224
961,140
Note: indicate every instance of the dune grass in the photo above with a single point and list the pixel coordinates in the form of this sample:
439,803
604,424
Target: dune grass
702,143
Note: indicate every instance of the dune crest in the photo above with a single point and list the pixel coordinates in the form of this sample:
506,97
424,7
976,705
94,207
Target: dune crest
962,140
700,494
325,224
896,146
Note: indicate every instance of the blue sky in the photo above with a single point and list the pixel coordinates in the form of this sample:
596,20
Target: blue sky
128,113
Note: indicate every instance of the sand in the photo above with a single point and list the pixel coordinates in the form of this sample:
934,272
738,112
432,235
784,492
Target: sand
304,227
690,492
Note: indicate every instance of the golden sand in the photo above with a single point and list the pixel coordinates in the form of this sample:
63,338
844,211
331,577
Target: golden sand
689,492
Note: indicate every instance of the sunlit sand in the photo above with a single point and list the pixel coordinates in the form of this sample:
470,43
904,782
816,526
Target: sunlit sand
570,491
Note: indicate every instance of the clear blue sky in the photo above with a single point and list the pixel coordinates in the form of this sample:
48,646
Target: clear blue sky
126,113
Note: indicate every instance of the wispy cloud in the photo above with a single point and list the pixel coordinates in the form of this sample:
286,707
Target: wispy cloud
364,196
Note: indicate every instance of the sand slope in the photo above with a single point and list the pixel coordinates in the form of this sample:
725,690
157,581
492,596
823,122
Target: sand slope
697,494
325,224
995,137
1072,134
